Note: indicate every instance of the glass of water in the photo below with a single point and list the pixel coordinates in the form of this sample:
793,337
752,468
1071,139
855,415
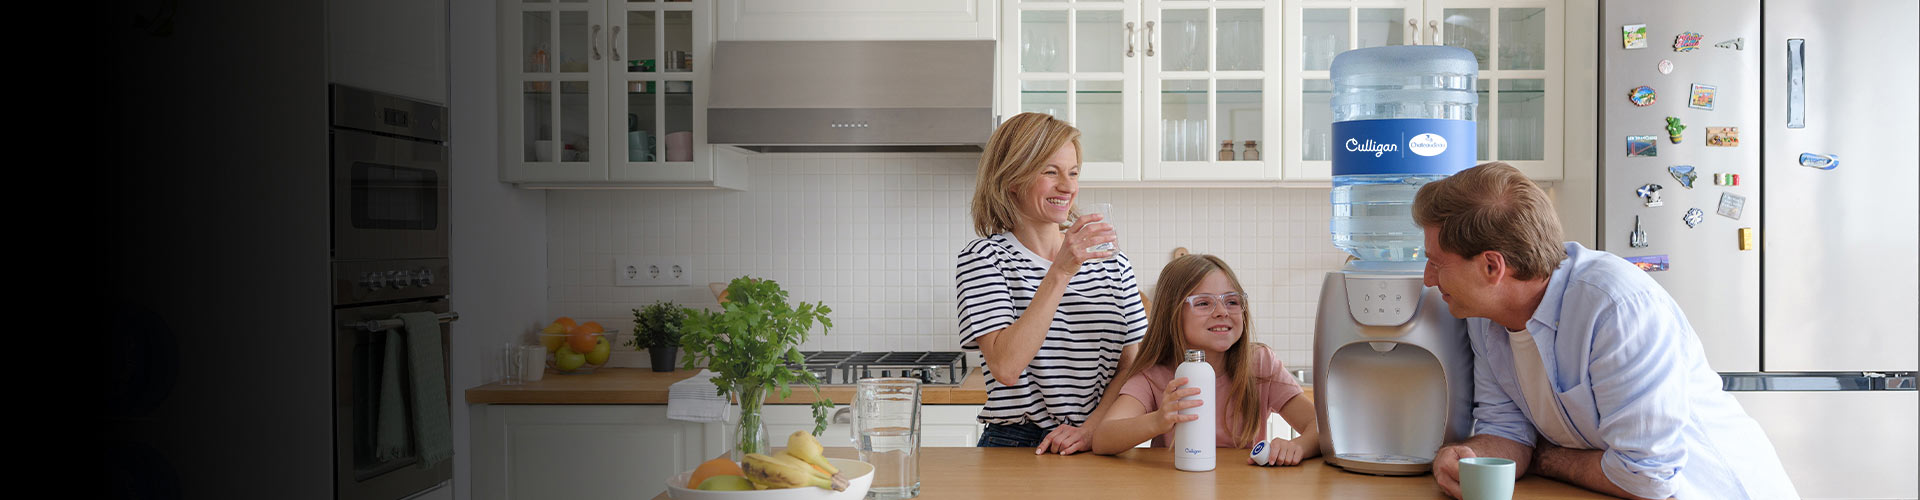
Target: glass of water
1106,217
886,431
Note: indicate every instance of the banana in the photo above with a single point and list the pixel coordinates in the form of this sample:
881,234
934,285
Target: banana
776,473
838,483
803,446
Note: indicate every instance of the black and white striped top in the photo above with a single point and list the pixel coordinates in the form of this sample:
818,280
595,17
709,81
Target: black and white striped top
1099,313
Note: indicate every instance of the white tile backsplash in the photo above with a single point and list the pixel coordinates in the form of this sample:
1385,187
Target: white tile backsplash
874,237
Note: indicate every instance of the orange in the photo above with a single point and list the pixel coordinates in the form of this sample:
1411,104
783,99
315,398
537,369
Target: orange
581,339
565,321
592,327
715,467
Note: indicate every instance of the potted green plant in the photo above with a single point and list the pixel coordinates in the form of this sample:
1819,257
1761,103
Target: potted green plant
749,343
657,329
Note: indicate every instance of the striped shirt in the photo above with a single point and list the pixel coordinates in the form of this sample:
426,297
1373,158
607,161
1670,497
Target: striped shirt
1099,313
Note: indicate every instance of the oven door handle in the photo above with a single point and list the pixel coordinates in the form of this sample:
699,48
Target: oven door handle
381,325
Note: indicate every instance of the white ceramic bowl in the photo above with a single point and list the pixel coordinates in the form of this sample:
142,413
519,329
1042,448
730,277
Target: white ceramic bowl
859,477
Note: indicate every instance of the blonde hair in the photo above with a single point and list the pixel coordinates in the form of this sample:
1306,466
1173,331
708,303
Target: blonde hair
1165,345
1016,154
1494,207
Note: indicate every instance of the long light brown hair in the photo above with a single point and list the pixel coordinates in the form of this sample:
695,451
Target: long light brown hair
1016,154
1166,345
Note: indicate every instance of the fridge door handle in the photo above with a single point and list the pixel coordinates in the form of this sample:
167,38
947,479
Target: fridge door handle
1796,83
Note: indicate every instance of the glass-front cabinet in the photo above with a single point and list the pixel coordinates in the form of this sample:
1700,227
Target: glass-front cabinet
605,92
1161,90
1520,86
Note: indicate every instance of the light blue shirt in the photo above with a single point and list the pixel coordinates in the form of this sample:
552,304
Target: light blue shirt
1631,377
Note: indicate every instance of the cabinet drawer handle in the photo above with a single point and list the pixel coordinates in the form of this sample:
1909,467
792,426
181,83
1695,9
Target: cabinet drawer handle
1149,38
1129,38
843,415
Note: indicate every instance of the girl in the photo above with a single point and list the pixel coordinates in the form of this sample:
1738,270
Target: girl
1199,304
1054,320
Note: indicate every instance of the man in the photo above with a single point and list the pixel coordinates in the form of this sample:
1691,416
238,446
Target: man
1584,349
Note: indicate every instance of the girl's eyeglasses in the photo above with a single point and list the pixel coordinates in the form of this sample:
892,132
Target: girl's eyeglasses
1206,302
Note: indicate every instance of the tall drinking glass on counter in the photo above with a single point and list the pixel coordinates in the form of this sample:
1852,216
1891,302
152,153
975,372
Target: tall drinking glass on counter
886,431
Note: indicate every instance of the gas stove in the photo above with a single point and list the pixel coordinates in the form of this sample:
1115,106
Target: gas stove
847,367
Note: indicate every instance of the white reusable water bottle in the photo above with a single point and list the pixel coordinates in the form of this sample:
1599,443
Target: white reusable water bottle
1193,441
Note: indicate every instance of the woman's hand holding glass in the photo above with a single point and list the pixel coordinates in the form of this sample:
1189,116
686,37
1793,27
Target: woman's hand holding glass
1086,233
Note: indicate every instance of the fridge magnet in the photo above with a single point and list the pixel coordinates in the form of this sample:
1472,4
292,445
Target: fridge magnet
1666,67
1638,238
1731,205
1642,145
1723,137
1819,161
1702,97
1747,241
1735,44
1693,217
1641,96
1726,179
1634,36
1650,263
1686,42
1684,174
1650,193
1673,129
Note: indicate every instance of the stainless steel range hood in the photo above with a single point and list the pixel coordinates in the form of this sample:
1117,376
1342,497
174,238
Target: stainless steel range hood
852,96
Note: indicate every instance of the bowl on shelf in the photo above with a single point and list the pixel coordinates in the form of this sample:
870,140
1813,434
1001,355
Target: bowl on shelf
564,356
859,478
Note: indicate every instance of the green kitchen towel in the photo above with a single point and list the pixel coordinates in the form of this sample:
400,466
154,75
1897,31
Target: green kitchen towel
432,424
390,430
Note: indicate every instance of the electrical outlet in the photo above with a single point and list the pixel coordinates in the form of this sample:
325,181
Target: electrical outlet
653,270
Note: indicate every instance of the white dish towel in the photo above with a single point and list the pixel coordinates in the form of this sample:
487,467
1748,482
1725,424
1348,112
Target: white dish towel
694,399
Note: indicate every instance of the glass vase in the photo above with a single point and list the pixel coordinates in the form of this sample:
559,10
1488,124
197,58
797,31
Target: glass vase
749,434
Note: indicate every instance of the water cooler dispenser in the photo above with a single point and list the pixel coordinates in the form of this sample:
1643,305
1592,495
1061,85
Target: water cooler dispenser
1393,373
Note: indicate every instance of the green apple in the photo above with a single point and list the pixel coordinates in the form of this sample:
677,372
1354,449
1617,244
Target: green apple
567,360
725,483
600,351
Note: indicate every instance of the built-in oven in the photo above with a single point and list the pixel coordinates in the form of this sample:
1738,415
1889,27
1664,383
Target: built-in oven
389,177
389,217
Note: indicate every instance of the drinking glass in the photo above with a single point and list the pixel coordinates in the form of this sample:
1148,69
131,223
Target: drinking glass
510,372
1106,217
886,431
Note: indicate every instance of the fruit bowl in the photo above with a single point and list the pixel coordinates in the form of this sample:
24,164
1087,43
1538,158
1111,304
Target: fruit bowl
564,357
859,477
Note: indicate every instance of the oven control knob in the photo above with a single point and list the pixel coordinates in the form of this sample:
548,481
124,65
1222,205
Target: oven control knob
371,280
423,278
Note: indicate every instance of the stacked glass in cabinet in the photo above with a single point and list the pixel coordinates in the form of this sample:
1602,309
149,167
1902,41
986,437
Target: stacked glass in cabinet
1403,117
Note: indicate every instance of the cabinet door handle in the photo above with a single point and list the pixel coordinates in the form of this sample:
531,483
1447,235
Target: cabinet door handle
614,41
595,37
1129,38
1433,32
1149,38
1413,31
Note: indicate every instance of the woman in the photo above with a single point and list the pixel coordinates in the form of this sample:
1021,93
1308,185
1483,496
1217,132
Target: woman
1054,320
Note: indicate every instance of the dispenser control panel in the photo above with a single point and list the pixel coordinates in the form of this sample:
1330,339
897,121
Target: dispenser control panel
1383,300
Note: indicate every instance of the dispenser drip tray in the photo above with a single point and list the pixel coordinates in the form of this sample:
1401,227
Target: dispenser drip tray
1358,462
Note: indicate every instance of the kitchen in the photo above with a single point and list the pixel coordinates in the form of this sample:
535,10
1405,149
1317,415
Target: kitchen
873,234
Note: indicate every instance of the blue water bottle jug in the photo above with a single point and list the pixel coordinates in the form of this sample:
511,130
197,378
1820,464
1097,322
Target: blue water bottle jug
1402,117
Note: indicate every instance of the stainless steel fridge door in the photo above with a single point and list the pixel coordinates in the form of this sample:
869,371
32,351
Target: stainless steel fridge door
1841,246
1715,283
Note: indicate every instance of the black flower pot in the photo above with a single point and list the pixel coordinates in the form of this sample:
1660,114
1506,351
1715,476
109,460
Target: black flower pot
663,358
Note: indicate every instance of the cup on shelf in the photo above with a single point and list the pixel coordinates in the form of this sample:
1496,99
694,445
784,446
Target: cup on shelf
680,146
543,150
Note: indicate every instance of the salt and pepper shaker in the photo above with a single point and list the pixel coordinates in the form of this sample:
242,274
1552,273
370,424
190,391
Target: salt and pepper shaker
1251,152
1226,150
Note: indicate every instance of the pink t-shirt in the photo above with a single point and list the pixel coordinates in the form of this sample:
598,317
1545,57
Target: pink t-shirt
1276,387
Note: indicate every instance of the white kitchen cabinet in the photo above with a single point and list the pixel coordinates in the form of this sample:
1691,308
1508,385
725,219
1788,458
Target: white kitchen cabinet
607,93
857,20
1154,86
1522,46
584,451
940,425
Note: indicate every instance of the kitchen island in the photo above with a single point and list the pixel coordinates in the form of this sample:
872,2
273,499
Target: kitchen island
1149,473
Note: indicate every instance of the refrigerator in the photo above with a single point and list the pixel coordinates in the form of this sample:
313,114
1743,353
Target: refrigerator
1756,158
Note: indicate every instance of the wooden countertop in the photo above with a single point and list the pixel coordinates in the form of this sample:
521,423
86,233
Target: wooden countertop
627,386
645,386
1149,472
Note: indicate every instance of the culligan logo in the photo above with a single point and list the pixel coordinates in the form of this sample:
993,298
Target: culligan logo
1354,145
1427,144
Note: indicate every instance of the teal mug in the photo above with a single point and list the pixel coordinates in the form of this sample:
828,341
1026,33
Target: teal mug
1486,478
